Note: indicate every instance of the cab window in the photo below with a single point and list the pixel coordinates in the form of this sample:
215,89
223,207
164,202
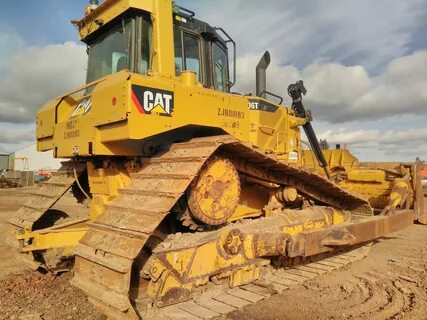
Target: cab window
179,63
110,52
187,53
220,68
145,31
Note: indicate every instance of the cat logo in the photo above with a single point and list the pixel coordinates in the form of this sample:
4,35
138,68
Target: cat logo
153,101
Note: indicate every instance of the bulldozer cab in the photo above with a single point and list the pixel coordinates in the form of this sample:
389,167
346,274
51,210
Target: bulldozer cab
125,43
198,47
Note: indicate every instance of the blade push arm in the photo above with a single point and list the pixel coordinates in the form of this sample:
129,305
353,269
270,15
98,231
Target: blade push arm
296,91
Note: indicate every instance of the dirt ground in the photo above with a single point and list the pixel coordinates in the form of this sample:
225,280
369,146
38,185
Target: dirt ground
9,260
390,283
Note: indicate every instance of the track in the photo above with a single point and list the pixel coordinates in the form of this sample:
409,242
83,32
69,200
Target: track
55,194
107,255
219,301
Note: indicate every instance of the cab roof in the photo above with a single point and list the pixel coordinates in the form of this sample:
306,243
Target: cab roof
109,10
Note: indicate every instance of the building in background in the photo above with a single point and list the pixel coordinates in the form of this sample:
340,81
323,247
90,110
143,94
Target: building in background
29,159
4,161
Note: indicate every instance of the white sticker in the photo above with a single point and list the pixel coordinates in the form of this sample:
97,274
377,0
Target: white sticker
293,155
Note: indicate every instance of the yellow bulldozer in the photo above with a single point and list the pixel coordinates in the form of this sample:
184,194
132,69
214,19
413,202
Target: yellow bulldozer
182,199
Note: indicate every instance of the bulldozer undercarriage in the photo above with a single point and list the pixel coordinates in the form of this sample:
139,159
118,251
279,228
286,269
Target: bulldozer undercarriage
263,226
142,259
217,298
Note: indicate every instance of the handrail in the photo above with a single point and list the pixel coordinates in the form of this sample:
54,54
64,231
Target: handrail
229,39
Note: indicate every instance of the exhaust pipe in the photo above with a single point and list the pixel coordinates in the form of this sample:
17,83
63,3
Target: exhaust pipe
261,75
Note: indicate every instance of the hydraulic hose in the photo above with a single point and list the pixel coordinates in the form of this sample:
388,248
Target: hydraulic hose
78,182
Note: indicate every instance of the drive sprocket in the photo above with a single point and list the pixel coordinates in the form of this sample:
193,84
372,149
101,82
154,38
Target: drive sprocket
214,195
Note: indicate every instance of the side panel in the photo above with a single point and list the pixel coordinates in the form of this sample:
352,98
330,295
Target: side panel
126,108
191,106
45,124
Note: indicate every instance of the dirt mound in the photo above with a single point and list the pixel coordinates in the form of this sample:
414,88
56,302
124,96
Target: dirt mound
48,297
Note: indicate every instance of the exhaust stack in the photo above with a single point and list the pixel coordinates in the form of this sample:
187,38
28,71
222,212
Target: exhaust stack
261,75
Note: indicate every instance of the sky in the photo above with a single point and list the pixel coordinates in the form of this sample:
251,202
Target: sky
364,64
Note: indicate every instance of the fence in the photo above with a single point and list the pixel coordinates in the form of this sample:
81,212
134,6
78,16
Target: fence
20,178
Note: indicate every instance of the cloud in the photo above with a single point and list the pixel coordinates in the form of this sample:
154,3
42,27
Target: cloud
364,32
339,93
10,43
36,75
14,137
402,144
362,137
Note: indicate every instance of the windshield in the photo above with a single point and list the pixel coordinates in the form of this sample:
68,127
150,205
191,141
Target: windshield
110,52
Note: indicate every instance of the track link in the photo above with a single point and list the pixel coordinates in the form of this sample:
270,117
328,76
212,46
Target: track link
105,256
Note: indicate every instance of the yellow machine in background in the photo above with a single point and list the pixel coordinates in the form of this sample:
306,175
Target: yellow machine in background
175,185
386,185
